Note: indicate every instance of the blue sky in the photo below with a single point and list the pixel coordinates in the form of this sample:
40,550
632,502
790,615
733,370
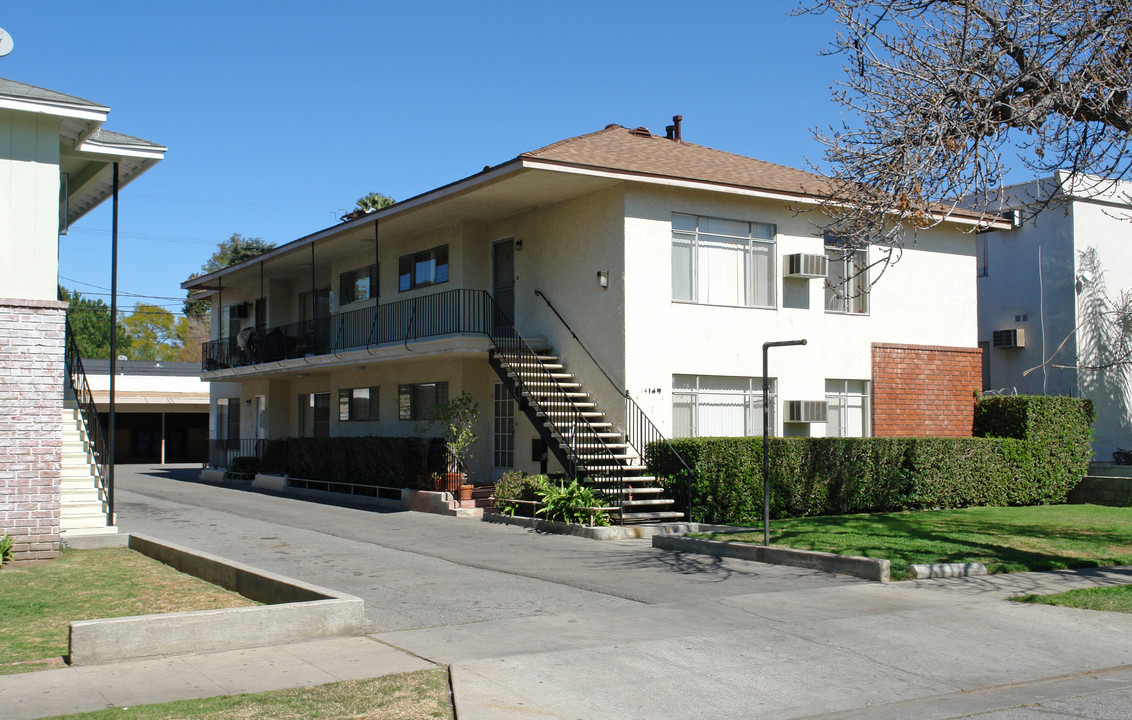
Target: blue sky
279,115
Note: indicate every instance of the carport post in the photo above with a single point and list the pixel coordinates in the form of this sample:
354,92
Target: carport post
766,436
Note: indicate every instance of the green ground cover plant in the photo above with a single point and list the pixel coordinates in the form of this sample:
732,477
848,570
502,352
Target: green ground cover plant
1005,539
408,696
38,602
1117,598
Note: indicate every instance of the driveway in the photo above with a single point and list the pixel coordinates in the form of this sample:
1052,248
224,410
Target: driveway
553,626
418,570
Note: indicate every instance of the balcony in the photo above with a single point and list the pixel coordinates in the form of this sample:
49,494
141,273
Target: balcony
453,312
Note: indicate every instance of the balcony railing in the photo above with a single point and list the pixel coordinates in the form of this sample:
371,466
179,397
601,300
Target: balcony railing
461,311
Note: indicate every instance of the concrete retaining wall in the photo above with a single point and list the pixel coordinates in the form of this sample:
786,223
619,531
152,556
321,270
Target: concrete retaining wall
862,567
294,612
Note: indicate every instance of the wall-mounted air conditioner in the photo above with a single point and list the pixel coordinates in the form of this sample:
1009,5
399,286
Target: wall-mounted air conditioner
805,411
1014,338
801,265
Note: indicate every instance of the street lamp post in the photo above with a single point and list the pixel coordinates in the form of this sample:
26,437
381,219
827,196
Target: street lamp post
766,436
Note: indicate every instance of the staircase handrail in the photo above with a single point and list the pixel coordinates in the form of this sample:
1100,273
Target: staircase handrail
549,386
87,410
634,415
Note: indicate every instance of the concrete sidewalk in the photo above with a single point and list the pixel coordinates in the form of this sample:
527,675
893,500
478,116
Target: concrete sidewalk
93,687
926,649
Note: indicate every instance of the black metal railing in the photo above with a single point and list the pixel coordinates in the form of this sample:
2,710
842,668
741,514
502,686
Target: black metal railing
537,385
450,312
76,375
640,431
222,452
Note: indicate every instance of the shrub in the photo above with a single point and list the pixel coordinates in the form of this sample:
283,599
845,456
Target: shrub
1035,451
516,485
5,549
570,503
243,465
374,461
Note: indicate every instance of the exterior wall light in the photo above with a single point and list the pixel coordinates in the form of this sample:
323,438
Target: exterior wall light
603,279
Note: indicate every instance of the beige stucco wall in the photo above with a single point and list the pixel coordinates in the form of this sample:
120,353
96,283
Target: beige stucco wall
29,205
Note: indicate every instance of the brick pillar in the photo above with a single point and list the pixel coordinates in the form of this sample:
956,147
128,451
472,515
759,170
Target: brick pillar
925,390
31,427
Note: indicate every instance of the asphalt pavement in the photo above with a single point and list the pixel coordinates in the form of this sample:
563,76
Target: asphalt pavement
552,626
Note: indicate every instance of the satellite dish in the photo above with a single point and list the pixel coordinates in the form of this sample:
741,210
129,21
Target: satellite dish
6,43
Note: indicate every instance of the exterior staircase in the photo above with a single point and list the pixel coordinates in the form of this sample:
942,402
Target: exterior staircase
83,505
580,435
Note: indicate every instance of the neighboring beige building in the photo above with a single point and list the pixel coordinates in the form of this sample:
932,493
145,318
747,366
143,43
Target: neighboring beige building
56,165
647,270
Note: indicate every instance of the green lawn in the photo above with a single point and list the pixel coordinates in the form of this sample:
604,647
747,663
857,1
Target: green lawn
37,603
1011,539
409,696
1113,599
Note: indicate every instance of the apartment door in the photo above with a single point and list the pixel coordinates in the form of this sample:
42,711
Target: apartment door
503,277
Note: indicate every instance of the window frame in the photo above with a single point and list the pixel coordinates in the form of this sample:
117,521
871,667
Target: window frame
410,411
407,268
373,404
347,284
750,286
843,408
752,399
835,254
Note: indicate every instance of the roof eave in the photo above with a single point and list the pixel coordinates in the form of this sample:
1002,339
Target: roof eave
488,175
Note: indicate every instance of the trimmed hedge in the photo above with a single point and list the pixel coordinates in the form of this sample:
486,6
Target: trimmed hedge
1042,453
376,461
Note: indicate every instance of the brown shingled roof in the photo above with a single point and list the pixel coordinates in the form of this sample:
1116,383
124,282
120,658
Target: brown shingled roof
622,149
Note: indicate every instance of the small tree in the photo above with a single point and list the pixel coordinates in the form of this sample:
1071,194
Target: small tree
456,419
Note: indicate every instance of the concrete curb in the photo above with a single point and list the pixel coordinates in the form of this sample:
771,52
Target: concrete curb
295,612
925,571
613,532
862,567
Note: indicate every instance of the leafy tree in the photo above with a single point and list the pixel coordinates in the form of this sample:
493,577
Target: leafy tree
374,201
946,92
155,333
90,323
235,249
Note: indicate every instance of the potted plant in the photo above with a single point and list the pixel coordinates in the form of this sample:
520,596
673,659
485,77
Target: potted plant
456,420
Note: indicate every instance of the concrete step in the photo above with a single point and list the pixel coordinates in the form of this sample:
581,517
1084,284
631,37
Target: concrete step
651,517
79,532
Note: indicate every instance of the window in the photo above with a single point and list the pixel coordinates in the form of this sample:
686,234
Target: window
417,402
356,285
358,404
719,406
848,408
722,262
314,415
847,284
503,430
423,269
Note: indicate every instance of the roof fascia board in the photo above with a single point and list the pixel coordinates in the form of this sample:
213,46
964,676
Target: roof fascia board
91,113
431,197
627,176
104,149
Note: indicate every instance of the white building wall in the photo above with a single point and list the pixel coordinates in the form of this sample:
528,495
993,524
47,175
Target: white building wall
29,205
1103,233
927,298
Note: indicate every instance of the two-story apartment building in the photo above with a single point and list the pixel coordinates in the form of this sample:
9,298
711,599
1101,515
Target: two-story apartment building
646,270
57,163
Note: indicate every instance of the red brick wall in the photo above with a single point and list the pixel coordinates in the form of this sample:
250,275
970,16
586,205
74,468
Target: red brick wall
31,427
924,390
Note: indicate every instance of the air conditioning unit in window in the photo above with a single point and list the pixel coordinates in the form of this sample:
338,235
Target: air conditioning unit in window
1015,338
805,411
801,265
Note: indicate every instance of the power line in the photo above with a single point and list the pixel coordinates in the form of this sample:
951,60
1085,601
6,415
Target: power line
230,203
120,292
